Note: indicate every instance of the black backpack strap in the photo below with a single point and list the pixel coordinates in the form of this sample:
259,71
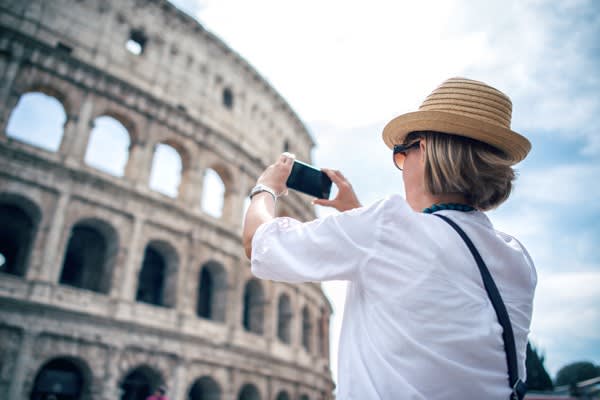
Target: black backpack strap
517,386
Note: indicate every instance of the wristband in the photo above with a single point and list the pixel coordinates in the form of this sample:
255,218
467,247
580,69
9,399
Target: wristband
263,188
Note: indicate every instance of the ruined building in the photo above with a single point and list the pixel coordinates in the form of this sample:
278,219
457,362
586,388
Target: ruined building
109,284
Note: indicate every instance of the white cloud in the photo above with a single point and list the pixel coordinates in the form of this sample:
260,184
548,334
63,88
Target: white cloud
347,68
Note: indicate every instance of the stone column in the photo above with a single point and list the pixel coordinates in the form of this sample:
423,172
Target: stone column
8,100
77,132
178,389
48,268
139,163
190,189
181,281
8,106
21,365
135,256
235,300
110,389
233,206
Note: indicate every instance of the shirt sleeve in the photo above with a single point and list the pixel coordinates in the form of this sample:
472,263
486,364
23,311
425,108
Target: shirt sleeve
330,248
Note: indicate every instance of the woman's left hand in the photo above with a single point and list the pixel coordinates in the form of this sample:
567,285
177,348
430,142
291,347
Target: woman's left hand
276,175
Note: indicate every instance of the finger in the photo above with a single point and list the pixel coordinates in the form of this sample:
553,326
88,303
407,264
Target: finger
323,202
339,173
334,176
286,158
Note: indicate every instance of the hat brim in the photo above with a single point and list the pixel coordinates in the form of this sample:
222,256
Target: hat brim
513,144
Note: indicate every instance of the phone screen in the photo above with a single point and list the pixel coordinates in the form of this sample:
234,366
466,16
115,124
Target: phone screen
310,180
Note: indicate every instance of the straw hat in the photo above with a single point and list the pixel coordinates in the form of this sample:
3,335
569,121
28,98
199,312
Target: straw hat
463,107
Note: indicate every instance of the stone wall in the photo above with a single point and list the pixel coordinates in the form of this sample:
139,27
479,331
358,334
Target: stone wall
173,92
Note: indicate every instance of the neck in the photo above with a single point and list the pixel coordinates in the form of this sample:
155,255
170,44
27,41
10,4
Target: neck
427,200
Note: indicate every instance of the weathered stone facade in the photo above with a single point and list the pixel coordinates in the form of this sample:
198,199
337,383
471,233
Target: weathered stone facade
187,89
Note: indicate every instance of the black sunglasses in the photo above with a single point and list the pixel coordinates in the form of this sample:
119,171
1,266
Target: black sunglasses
400,151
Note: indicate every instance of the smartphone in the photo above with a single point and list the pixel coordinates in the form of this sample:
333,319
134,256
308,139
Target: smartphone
310,180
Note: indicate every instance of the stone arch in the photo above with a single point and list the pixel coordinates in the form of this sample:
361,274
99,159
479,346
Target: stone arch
19,221
253,308
139,383
204,388
284,318
109,144
90,255
212,292
282,395
249,392
66,377
306,329
39,118
157,280
170,162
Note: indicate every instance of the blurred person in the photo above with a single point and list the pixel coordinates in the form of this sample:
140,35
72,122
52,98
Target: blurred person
159,394
418,322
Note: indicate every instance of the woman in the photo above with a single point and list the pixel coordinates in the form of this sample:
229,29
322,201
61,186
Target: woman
418,323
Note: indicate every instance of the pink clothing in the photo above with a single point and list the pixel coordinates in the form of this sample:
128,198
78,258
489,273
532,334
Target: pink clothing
153,397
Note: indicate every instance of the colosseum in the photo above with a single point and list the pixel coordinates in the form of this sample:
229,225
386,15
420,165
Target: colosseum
120,271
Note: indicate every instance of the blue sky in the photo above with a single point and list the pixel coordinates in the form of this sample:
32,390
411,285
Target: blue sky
347,67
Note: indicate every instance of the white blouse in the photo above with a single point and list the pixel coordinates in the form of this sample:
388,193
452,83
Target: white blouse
418,323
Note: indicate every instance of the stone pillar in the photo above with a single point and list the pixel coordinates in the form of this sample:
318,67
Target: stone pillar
135,255
233,206
230,391
21,365
8,100
139,163
48,268
8,106
235,300
181,281
110,389
178,389
186,300
190,189
77,132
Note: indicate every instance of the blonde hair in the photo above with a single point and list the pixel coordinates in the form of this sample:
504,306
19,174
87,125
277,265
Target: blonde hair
459,165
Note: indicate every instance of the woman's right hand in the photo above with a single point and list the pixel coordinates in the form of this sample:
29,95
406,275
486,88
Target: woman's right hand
346,198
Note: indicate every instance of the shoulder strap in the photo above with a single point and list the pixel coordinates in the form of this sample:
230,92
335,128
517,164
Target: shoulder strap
517,386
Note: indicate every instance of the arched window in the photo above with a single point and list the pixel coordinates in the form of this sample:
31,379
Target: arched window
157,278
283,395
17,230
212,292
304,397
228,98
213,193
90,256
249,392
165,175
60,378
108,147
253,307
139,383
205,388
306,329
284,318
38,119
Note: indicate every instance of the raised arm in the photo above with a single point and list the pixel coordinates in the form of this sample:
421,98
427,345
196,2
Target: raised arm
262,205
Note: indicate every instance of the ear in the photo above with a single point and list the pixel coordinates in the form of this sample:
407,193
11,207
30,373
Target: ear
423,147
